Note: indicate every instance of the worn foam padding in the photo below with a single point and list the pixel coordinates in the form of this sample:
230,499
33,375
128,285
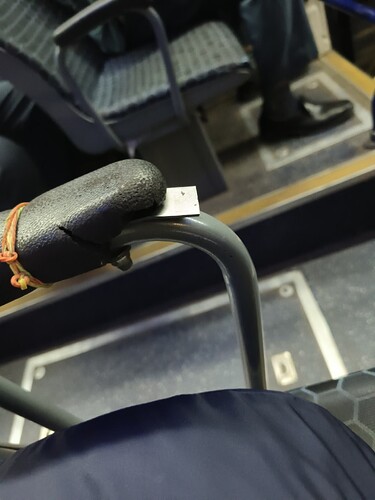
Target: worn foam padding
67,231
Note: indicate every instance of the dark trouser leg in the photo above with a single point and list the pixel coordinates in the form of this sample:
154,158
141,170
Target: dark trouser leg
281,38
283,46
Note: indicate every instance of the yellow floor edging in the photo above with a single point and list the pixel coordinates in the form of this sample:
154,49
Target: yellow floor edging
358,78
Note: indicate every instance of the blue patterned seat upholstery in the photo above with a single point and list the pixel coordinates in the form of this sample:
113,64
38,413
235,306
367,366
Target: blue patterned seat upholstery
203,53
26,30
124,99
116,85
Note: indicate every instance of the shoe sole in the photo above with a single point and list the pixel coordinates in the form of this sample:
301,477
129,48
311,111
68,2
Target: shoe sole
335,122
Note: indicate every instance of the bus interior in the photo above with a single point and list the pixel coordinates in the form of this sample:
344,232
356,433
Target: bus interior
303,207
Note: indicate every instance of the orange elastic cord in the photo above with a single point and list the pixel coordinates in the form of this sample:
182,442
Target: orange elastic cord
21,279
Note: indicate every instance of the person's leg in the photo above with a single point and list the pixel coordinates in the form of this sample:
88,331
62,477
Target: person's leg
283,45
279,32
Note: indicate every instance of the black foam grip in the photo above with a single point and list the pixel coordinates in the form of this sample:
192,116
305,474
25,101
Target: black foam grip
67,231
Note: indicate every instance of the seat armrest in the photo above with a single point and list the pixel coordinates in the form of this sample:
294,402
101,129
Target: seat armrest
95,15
92,16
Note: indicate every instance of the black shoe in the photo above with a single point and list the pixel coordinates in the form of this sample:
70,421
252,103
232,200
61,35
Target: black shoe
312,117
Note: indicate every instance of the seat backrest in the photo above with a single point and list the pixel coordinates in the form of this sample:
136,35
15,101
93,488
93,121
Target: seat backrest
26,31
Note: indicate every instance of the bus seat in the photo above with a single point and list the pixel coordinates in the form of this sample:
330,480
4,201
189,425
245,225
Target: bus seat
105,102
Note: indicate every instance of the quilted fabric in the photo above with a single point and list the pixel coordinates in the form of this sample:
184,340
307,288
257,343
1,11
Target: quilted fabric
109,36
351,399
224,445
118,84
26,28
139,77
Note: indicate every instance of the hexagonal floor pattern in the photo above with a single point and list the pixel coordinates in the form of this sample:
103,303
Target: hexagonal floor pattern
350,399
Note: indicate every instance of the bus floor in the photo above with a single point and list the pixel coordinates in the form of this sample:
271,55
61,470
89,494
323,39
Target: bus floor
318,324
254,169
307,309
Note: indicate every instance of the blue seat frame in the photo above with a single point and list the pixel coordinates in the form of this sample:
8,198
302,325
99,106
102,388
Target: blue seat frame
353,8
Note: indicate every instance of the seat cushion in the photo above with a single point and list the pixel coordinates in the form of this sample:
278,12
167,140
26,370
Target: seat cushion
351,399
235,444
138,78
208,61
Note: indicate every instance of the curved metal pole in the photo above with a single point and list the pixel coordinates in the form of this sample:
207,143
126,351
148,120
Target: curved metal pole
223,245
21,402
162,41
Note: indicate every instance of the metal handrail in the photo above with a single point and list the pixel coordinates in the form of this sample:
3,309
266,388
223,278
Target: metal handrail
222,244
